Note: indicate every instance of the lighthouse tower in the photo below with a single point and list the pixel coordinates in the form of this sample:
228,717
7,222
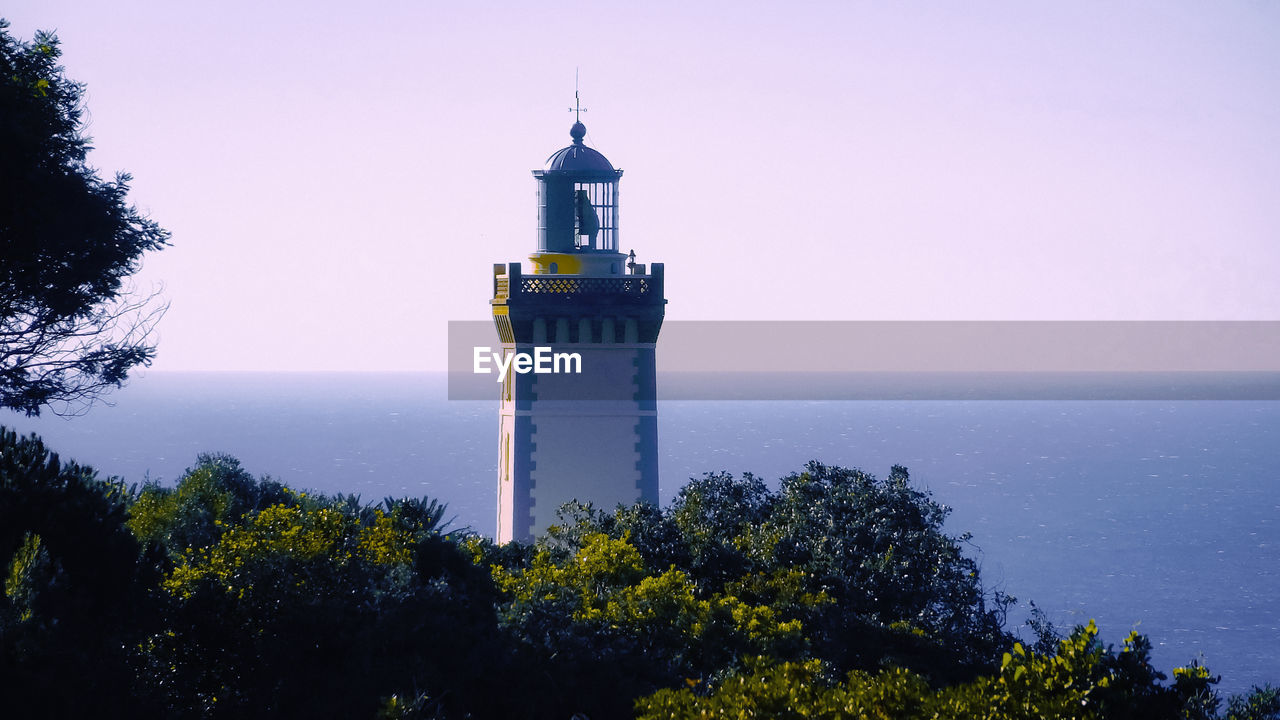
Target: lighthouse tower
592,435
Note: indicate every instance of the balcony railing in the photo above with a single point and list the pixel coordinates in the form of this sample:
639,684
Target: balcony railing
634,286
508,281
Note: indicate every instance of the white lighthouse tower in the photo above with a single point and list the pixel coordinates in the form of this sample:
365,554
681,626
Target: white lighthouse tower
590,436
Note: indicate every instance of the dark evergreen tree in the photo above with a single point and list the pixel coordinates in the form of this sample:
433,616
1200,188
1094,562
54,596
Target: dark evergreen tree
70,328
75,598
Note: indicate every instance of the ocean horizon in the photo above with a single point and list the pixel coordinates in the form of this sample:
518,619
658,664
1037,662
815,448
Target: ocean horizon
1157,515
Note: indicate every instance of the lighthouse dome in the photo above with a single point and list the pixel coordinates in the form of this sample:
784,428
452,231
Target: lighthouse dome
578,158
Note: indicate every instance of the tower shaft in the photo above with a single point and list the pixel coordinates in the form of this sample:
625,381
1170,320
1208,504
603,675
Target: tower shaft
588,436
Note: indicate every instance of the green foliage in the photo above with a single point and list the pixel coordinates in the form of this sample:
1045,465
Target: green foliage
783,691
1029,685
69,328
1080,680
208,498
716,516
837,566
231,596
1263,703
878,548
283,538
277,593
1134,688
74,589
29,570
420,707
605,582
1047,636
862,563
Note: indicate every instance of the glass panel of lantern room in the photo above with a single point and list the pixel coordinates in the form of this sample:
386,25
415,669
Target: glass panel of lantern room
586,215
542,219
610,224
597,202
577,215
556,223
602,195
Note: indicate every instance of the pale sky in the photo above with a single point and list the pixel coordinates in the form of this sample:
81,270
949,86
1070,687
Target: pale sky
340,178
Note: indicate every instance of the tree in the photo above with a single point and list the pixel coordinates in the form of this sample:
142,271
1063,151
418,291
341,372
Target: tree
1081,680
70,327
905,590
73,587
276,602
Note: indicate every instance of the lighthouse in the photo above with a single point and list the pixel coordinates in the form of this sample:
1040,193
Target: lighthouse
589,435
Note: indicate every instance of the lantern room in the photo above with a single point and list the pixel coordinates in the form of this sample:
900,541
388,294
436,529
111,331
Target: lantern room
577,204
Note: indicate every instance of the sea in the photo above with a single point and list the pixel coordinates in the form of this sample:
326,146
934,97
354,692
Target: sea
1161,516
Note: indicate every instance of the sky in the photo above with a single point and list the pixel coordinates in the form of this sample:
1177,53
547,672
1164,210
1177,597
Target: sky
339,178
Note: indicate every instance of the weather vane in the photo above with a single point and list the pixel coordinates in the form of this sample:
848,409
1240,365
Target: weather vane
577,108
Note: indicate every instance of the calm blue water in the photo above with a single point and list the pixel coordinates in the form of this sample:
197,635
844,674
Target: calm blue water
1159,516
